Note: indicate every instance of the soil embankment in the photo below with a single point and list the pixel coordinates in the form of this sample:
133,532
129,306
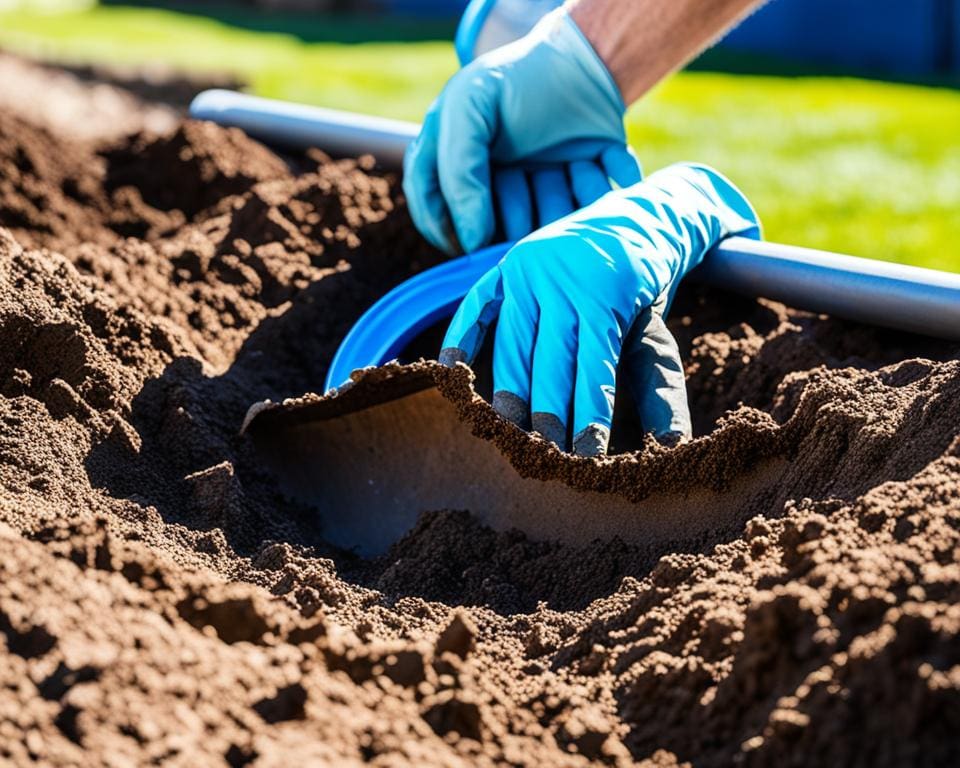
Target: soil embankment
162,600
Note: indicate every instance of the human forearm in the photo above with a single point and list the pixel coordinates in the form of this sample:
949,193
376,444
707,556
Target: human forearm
641,41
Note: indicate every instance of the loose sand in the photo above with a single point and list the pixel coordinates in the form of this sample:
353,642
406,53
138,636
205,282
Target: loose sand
163,600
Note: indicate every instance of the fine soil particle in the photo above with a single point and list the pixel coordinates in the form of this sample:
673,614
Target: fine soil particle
162,601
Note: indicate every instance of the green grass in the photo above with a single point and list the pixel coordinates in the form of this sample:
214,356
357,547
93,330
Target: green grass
850,165
855,166
396,79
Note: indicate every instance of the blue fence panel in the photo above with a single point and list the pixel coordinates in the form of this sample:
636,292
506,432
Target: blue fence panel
435,8
954,14
899,37
881,36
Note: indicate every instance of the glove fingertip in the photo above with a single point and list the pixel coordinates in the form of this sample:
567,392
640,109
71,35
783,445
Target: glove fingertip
464,174
550,427
473,241
471,213
457,345
450,356
672,439
592,440
429,214
421,188
656,378
475,228
512,407
473,317
589,181
622,165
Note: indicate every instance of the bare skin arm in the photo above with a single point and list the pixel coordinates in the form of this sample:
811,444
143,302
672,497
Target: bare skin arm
642,41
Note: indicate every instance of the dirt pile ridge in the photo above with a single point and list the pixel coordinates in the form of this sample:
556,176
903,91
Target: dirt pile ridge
161,598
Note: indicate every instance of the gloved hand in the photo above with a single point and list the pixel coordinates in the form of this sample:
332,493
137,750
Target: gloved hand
538,121
579,294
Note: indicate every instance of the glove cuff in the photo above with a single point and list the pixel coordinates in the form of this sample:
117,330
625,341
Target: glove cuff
560,31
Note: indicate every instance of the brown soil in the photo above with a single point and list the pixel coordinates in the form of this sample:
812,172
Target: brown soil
162,601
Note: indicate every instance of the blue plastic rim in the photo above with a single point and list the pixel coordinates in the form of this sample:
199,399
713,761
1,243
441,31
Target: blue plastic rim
388,327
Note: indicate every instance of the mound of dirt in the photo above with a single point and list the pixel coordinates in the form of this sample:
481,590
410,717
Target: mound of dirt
163,600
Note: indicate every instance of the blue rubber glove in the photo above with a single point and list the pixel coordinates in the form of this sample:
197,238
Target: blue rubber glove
574,297
537,123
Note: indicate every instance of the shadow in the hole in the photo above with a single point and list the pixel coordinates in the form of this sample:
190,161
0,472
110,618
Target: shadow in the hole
450,557
188,460
192,465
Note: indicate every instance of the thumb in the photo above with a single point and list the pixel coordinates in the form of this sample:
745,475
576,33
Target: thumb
473,319
421,186
467,126
655,377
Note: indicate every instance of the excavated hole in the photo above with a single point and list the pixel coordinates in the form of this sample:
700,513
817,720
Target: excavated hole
386,482
430,508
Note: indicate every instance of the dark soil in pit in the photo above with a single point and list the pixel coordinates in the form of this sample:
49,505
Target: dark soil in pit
161,601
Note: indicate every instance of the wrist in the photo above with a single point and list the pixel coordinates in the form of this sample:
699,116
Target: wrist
603,36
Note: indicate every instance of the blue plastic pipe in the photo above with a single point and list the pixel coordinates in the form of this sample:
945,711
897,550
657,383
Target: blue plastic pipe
922,301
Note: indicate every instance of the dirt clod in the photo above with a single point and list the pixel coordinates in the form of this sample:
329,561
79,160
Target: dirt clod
458,637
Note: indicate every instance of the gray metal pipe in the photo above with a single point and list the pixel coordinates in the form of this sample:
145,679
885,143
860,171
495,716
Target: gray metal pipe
300,127
914,299
908,298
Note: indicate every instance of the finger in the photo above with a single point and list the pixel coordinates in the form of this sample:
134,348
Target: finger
552,193
656,379
472,319
598,353
513,352
588,181
554,366
466,132
621,165
513,202
421,186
